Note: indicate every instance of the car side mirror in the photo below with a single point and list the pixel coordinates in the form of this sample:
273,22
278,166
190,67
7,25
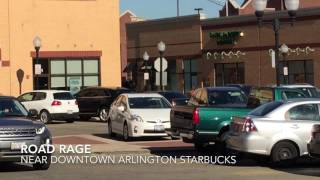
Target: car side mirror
33,113
253,102
121,108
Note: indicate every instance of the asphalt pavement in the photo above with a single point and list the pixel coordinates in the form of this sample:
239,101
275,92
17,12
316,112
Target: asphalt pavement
94,133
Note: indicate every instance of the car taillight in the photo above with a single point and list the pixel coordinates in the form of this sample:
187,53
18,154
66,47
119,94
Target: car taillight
196,117
249,126
56,103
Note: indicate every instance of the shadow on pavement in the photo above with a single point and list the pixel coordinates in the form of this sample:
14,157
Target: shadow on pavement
14,167
305,166
135,140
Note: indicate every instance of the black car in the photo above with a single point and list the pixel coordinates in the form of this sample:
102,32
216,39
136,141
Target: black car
174,97
96,101
18,130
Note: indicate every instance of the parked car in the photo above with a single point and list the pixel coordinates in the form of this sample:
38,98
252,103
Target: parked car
267,94
51,105
207,116
314,145
279,129
175,98
139,115
307,89
17,129
245,88
96,101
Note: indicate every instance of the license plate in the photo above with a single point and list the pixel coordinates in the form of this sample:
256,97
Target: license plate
69,111
159,127
17,145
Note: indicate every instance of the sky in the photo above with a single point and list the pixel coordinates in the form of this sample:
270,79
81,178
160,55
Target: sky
154,9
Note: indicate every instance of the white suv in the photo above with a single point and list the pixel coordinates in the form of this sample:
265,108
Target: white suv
51,105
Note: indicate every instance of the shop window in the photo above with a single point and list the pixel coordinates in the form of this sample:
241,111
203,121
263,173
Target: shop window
60,74
298,72
190,75
231,73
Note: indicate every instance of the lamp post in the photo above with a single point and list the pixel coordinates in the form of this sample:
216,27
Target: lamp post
161,49
260,6
146,68
284,49
37,46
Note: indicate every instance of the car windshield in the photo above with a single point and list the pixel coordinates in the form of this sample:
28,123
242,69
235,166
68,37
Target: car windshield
148,103
227,97
11,107
310,92
63,96
172,95
265,108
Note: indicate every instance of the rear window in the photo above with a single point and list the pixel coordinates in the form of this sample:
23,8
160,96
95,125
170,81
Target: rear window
227,97
63,96
310,92
264,95
266,108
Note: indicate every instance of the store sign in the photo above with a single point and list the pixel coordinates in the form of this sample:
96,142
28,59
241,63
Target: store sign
224,38
75,84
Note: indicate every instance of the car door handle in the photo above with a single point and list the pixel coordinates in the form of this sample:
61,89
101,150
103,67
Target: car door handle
295,126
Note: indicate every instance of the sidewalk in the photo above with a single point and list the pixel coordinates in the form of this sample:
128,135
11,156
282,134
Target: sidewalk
101,145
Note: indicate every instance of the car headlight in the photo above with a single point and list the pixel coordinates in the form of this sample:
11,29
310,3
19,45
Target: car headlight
136,118
40,130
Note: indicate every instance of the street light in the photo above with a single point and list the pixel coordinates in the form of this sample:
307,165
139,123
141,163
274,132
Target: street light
161,49
260,6
284,49
37,46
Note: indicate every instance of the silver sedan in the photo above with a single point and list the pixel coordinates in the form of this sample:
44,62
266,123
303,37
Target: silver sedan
278,129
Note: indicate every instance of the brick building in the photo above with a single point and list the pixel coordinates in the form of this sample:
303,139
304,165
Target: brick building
226,50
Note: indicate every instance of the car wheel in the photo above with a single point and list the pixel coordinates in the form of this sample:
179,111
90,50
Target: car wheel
126,136
103,114
221,145
110,133
284,154
43,165
45,117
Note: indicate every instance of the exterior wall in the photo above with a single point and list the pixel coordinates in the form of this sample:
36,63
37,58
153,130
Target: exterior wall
181,36
63,26
257,42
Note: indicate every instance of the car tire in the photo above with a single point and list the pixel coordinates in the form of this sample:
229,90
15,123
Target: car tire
125,134
43,166
45,117
110,133
284,154
221,145
103,114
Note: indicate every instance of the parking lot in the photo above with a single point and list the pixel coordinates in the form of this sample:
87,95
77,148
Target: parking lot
94,133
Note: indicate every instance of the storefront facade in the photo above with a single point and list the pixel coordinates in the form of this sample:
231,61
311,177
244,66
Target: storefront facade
80,44
234,50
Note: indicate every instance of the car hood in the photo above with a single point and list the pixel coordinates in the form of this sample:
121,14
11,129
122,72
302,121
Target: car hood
153,115
18,122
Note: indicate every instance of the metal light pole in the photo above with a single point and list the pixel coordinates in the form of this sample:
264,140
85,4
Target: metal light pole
178,8
292,6
198,10
37,46
146,68
161,49
284,49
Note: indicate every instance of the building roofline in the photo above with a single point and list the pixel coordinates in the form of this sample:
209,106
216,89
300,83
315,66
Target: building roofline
128,11
218,21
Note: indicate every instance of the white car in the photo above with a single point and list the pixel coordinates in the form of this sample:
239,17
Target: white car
139,115
51,105
277,129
